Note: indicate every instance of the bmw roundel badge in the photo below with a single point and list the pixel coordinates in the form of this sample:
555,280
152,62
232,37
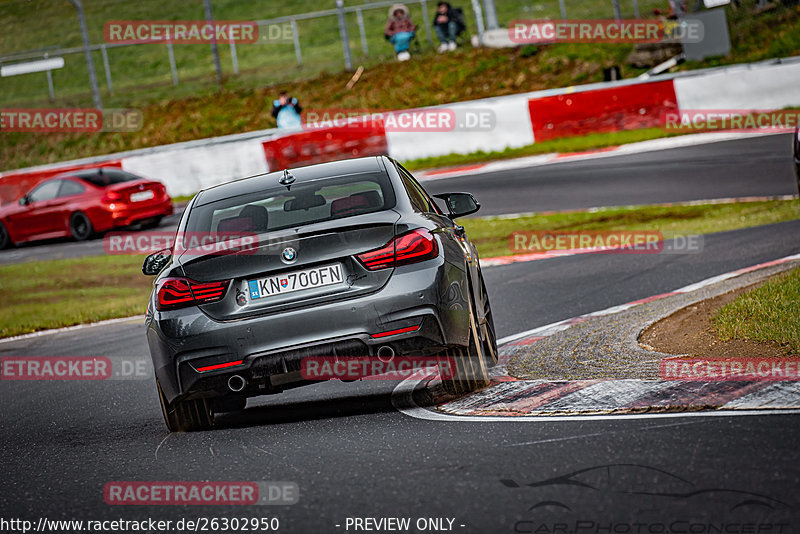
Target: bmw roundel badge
289,255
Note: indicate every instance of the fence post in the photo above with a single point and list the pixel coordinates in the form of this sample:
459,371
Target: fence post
234,57
362,31
172,66
476,8
426,22
617,12
214,48
563,8
491,15
107,68
296,38
88,53
636,13
50,88
348,62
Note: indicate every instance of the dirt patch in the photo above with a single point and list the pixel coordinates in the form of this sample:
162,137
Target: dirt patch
690,331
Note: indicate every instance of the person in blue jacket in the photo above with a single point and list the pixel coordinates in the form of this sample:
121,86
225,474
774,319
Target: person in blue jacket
286,110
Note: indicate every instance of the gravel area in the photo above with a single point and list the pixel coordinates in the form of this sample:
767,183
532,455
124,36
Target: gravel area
607,347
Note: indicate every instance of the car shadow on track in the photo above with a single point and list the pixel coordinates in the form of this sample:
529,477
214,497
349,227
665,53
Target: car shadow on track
330,407
293,412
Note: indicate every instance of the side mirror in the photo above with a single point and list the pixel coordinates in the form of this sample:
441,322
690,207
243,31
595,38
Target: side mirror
459,204
156,261
24,201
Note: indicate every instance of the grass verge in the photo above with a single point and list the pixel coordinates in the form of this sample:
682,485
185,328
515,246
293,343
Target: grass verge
52,294
766,314
491,234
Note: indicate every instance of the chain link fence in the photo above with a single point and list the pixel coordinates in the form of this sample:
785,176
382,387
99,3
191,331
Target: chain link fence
290,47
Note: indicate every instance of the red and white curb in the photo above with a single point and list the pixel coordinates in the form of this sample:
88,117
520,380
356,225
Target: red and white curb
549,159
509,399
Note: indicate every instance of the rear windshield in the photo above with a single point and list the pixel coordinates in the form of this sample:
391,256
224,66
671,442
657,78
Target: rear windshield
305,203
107,177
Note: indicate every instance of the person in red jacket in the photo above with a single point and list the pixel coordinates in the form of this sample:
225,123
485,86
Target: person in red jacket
400,31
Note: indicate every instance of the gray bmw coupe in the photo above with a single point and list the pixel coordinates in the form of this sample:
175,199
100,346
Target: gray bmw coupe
342,259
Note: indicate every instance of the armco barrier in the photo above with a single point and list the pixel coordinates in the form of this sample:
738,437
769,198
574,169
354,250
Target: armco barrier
185,171
627,107
319,145
742,87
511,129
14,184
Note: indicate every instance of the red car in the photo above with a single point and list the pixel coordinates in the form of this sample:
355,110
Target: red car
83,203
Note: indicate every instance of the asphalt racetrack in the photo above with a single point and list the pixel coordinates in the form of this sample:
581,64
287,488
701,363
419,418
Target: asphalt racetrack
354,455
755,166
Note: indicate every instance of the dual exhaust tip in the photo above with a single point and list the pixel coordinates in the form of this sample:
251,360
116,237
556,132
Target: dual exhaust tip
236,383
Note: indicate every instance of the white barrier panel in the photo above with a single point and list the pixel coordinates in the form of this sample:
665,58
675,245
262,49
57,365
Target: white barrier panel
187,171
510,128
749,87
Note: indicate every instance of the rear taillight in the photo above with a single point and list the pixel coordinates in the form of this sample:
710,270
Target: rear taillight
411,247
176,293
111,196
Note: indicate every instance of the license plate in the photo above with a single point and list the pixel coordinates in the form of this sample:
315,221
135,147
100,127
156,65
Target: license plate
292,281
144,195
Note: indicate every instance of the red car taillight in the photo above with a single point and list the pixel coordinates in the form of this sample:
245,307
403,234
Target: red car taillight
411,247
111,197
176,293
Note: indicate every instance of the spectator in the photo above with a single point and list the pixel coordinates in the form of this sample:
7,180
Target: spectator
677,9
448,22
286,109
400,30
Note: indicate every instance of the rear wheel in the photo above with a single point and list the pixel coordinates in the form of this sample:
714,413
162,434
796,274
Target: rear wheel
5,239
487,329
187,415
80,226
468,368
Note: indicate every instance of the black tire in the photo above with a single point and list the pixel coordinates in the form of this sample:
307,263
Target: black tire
5,239
80,226
185,416
469,365
488,332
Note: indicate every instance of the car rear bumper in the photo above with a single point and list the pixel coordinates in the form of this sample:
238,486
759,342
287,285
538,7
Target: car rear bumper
122,215
430,295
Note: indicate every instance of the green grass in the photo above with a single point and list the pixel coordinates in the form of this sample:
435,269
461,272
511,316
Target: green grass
768,313
53,294
491,234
